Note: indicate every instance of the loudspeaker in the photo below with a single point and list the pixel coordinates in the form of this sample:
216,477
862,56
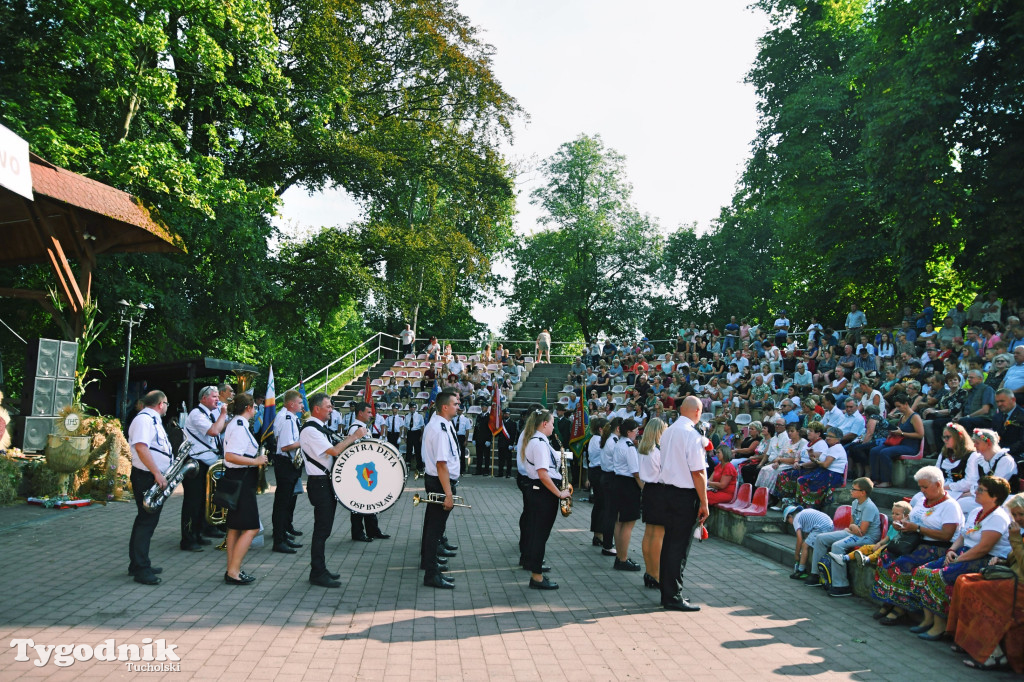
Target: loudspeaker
68,360
35,433
44,353
42,396
63,393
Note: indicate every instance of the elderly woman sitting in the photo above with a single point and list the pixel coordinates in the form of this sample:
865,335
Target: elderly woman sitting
936,518
989,460
983,537
984,620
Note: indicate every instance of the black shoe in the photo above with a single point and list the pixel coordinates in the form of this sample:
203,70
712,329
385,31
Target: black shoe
597,543
293,545
292,531
450,548
200,540
442,552
283,548
627,565
334,576
155,570
680,605
544,584
438,582
245,576
380,536
650,582
609,552
438,565
362,538
146,578
324,580
214,533
240,580
190,547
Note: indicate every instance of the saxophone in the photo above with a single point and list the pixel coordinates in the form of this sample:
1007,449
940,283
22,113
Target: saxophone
565,506
182,466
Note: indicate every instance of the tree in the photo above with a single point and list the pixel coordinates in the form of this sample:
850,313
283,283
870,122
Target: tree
591,268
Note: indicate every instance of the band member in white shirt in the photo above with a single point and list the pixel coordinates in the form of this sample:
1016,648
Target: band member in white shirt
442,469
286,474
395,424
242,463
363,414
542,468
319,453
413,438
151,455
203,428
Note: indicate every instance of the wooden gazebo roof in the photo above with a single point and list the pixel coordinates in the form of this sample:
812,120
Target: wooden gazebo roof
74,217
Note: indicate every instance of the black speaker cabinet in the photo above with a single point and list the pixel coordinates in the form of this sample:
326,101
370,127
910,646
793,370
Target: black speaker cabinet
67,362
42,396
63,392
35,432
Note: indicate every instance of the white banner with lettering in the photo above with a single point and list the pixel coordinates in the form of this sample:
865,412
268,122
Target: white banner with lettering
15,170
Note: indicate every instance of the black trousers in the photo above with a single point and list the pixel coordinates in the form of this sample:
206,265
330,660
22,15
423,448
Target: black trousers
364,524
321,496
286,475
505,456
435,520
193,505
525,485
680,517
406,350
145,523
412,450
393,439
483,459
598,497
543,507
462,453
611,514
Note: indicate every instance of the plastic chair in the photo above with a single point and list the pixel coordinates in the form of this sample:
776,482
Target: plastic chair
742,499
758,504
618,389
883,525
475,409
743,419
919,455
843,517
423,395
377,382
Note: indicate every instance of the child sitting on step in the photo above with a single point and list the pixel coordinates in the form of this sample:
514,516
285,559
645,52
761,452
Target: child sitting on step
868,554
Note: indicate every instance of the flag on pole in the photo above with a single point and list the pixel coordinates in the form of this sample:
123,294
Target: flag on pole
580,421
434,391
305,401
269,409
368,396
495,421
544,397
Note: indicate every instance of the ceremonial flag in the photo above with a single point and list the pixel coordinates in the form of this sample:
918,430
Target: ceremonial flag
269,409
305,401
544,397
434,391
495,421
579,433
368,396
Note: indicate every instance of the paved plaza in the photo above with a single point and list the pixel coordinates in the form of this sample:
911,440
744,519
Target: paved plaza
64,579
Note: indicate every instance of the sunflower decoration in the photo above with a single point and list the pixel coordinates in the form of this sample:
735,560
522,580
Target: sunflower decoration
70,421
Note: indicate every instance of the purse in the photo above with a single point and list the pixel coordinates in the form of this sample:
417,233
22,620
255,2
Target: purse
1002,572
227,493
894,439
905,544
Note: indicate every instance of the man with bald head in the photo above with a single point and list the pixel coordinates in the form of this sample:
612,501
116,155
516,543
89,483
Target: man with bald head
678,499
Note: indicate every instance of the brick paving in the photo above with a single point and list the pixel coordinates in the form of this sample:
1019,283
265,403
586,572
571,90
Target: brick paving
64,581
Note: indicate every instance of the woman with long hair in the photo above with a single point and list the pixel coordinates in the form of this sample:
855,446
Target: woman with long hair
909,433
649,451
626,465
241,463
722,484
597,494
541,463
957,448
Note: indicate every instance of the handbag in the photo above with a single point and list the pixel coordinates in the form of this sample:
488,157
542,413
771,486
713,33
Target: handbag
895,438
1002,572
227,493
905,544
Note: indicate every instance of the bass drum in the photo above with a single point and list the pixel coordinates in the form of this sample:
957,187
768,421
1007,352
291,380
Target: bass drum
369,476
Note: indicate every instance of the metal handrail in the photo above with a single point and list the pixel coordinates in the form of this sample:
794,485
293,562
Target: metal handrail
379,337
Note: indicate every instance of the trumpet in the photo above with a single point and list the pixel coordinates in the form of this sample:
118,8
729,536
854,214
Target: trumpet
437,498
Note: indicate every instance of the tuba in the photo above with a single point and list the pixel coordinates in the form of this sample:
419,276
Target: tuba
182,466
565,506
215,516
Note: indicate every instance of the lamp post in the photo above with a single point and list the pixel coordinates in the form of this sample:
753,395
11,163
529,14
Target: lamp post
131,315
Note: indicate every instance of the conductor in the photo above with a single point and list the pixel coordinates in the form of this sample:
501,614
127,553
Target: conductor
680,497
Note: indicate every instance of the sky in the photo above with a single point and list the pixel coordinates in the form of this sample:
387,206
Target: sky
661,82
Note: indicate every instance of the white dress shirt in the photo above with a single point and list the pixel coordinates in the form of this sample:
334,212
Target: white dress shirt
148,429
682,454
441,445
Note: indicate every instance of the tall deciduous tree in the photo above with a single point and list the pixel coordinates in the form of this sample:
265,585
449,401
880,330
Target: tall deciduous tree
591,269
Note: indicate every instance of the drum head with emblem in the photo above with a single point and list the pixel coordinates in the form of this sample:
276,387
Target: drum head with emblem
368,476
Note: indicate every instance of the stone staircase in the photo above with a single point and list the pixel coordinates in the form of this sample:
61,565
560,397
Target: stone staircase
531,389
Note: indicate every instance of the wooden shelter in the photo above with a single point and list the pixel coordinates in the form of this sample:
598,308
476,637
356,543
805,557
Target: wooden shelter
73,218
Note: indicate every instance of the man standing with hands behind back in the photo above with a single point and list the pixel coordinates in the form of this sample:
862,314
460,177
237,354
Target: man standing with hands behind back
151,455
680,497
441,459
286,429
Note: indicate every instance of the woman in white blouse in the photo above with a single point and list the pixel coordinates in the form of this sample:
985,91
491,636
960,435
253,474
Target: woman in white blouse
241,463
649,452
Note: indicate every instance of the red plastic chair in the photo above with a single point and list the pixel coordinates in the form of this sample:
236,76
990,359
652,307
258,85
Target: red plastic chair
758,504
843,517
884,526
919,455
742,499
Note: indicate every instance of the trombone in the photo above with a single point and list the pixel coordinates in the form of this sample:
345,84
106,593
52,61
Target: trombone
438,498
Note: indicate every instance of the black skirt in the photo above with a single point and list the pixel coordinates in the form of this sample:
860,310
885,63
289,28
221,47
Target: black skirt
627,498
247,515
654,504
